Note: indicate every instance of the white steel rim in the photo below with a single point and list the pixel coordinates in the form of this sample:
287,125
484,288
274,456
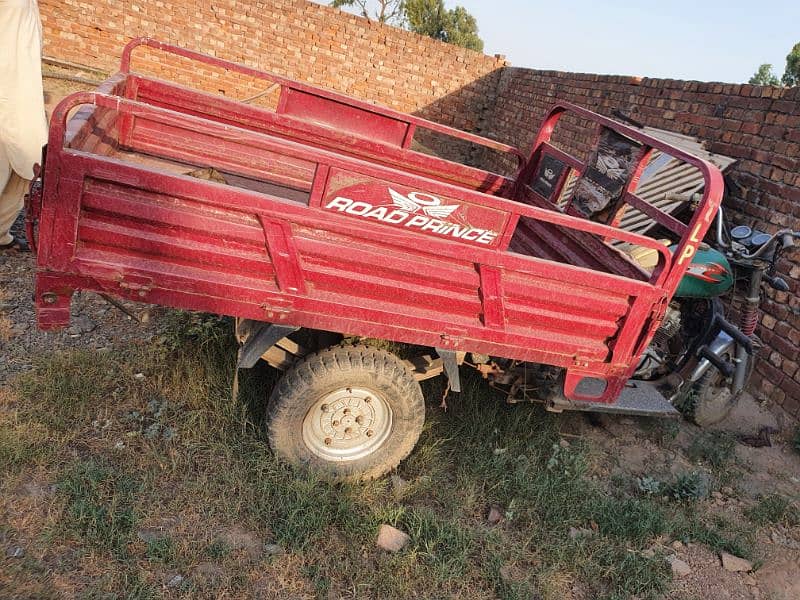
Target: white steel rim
347,424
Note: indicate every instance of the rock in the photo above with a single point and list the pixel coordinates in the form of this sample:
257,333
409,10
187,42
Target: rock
273,549
139,376
563,443
748,580
391,539
15,552
734,564
716,495
495,515
679,567
677,545
399,486
175,581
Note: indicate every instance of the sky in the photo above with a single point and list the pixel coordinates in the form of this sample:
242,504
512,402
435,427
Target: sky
707,40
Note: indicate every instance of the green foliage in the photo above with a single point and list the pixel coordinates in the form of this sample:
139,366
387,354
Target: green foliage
63,388
632,519
454,26
218,549
649,485
764,76
791,76
773,509
385,11
195,328
99,505
714,448
689,487
425,17
161,550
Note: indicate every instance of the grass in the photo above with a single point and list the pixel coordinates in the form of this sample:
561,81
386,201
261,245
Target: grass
714,448
774,509
215,471
99,506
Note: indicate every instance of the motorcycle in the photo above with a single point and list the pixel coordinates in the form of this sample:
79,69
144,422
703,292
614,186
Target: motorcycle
698,360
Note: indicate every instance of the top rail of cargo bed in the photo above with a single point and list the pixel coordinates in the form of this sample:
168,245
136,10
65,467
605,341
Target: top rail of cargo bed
387,125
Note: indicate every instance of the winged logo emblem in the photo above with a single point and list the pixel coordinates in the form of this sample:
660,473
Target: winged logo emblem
707,272
417,202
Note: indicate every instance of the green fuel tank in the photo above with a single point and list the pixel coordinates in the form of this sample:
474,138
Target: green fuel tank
708,275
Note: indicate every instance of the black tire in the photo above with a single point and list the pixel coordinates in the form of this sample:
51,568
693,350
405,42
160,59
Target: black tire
710,399
346,370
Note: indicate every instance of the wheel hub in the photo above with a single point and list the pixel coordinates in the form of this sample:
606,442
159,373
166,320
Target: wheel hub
347,424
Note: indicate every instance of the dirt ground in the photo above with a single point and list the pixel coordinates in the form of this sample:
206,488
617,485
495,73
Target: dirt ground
621,448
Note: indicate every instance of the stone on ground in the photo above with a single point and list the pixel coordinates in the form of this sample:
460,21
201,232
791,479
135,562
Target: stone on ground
391,539
679,567
734,564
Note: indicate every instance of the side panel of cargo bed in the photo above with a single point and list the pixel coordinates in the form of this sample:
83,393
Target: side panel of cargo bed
211,246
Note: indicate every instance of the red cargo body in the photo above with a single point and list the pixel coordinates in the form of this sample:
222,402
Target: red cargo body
328,219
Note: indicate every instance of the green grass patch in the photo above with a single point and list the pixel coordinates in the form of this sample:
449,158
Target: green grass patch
61,389
217,471
99,509
714,448
773,509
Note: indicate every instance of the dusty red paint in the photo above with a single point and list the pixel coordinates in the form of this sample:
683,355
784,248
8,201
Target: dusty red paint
119,215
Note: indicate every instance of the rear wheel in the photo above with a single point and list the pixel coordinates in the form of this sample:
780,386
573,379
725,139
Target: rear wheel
352,412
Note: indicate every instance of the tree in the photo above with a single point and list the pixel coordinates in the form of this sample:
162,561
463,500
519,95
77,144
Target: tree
431,18
791,76
386,11
425,17
764,76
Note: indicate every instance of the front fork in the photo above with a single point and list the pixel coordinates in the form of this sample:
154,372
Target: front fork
734,342
748,325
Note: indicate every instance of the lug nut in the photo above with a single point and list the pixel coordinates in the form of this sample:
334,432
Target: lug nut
370,433
325,408
346,411
360,420
367,399
328,441
335,423
348,431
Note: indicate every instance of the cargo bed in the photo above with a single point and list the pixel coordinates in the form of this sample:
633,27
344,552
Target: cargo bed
322,214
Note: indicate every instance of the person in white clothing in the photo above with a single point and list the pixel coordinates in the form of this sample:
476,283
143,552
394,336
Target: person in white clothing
23,122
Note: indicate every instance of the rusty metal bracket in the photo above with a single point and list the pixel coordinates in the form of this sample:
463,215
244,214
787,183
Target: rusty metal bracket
260,341
450,360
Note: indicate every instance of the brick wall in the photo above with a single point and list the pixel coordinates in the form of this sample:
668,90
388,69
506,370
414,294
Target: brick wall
758,126
293,38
